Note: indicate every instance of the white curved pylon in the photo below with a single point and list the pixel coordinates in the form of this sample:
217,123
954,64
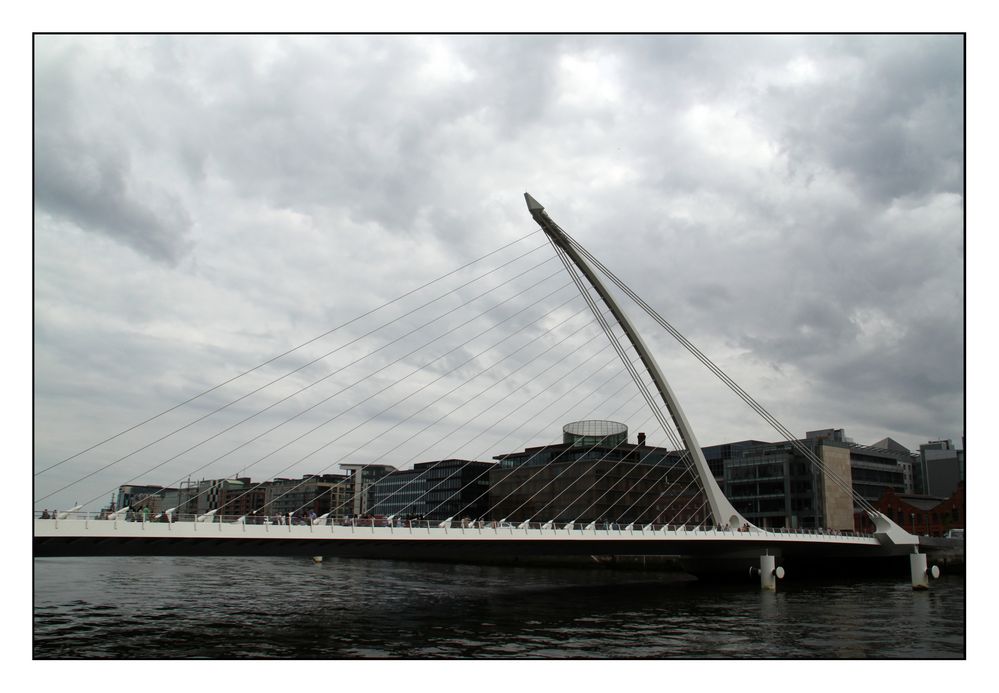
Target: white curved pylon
722,510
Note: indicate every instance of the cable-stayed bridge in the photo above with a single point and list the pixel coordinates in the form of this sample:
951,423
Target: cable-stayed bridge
488,364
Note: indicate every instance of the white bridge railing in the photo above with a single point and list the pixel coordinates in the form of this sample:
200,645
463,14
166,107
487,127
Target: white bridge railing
136,524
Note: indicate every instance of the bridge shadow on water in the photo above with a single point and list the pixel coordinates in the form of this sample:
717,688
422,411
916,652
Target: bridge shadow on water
132,607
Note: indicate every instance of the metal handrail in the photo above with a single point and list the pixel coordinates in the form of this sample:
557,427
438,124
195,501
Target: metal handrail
479,525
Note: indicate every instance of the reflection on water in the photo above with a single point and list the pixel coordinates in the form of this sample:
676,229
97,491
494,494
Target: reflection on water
181,607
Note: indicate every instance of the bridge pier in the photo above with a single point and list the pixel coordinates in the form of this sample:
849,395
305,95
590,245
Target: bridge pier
920,574
769,572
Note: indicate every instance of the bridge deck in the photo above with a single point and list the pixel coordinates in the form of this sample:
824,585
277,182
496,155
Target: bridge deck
75,537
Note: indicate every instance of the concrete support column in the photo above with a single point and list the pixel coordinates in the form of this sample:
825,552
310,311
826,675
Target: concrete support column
768,573
920,574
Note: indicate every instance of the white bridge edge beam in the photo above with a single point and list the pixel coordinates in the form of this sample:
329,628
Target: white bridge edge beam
318,534
722,509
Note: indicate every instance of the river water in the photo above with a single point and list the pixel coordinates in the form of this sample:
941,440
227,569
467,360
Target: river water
223,608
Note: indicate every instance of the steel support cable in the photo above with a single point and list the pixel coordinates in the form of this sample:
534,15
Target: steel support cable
719,373
532,398
693,496
623,495
614,341
632,371
698,490
547,426
685,342
703,511
571,465
478,395
322,379
467,443
481,433
638,380
395,382
327,376
441,461
356,382
683,462
557,457
694,481
404,420
544,427
400,380
557,380
686,466
553,231
455,451
670,503
729,382
579,496
384,389
293,350
700,522
665,475
543,467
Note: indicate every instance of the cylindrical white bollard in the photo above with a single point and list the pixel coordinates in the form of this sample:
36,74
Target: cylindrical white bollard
920,576
768,579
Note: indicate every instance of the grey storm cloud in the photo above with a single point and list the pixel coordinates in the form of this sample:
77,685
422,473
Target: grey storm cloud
793,204
893,122
90,187
84,172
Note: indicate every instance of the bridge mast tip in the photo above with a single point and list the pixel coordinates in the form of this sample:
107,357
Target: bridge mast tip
532,204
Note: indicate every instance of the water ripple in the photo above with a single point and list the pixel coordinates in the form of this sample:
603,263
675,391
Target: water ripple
133,607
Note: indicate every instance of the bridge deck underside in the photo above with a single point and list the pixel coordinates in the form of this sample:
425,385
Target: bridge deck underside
104,538
427,548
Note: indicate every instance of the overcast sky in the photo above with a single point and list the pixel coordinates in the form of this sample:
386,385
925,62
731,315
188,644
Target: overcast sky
793,204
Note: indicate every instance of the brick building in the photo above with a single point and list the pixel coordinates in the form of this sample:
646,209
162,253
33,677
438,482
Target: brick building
924,515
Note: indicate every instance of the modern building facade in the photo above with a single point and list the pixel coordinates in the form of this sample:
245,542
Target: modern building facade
434,490
906,459
595,475
242,497
312,493
362,478
456,488
156,498
400,493
940,468
776,485
224,496
875,470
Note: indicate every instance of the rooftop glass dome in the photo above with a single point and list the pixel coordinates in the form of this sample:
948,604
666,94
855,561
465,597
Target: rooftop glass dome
590,433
